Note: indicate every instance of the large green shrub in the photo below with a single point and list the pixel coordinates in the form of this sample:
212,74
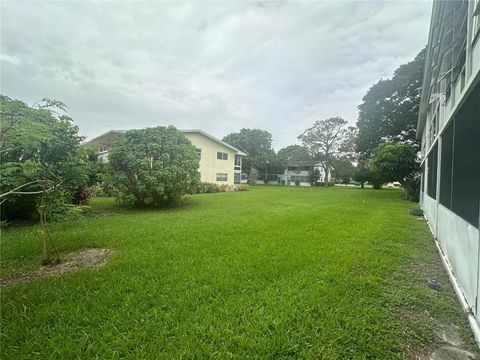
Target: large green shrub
40,152
153,167
397,162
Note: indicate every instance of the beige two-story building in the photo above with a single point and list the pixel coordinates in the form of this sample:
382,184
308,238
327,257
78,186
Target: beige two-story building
220,162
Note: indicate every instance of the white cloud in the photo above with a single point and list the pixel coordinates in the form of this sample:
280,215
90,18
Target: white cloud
214,66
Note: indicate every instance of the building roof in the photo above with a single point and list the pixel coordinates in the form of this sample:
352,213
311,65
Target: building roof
214,139
186,131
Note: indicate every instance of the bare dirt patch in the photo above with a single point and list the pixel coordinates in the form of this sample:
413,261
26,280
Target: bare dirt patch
70,262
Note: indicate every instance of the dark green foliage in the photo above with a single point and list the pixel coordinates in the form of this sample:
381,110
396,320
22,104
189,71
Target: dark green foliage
389,110
362,172
39,145
96,169
412,188
292,154
396,162
343,170
153,167
314,176
257,144
388,114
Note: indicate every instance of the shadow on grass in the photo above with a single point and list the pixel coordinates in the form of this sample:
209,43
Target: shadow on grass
105,206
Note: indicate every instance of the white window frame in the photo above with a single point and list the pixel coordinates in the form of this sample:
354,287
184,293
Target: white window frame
222,177
238,164
223,155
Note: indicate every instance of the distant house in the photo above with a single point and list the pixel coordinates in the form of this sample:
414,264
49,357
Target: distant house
449,130
298,173
219,162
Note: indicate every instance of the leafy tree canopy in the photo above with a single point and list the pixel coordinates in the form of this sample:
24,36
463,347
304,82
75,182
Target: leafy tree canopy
40,151
343,169
293,153
362,172
394,162
257,144
153,167
389,110
328,140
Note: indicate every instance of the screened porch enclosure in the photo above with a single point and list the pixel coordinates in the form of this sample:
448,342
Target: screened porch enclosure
451,195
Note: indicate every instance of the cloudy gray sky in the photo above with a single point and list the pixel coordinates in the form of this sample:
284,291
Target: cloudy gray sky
216,66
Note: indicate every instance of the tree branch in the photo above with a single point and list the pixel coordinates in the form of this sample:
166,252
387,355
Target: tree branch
15,190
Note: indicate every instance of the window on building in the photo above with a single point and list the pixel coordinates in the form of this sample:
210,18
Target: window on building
199,152
466,160
432,172
221,177
298,178
236,178
446,152
238,162
222,155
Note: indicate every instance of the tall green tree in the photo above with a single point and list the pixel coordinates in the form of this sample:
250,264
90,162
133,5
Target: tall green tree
328,140
389,110
257,144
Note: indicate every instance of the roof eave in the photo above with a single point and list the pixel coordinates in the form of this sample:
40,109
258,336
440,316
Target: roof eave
104,134
239,152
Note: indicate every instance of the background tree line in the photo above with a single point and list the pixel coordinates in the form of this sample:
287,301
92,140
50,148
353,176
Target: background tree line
45,170
381,148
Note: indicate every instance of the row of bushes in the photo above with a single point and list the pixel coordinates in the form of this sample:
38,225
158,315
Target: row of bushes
206,188
101,190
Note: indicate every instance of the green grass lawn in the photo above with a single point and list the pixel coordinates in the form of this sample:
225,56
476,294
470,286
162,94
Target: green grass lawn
274,272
